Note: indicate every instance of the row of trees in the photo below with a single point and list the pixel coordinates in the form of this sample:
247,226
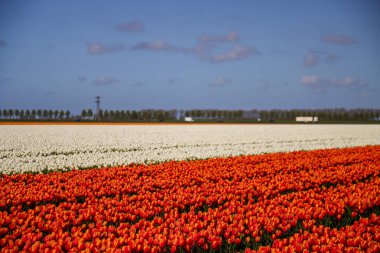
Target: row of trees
130,115
34,114
154,115
336,114
221,114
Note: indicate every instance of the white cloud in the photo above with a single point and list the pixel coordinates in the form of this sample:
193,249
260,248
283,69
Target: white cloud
203,50
209,42
316,82
308,80
237,53
100,48
161,46
154,46
348,82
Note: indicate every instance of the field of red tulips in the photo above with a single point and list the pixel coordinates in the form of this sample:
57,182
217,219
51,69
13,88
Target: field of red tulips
321,201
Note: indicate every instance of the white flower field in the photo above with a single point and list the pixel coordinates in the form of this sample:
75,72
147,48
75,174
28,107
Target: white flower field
52,147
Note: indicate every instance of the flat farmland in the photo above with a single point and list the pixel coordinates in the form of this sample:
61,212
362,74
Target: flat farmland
150,188
304,201
35,148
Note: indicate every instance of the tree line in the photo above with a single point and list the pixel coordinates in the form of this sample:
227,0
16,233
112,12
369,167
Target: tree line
129,115
34,114
334,114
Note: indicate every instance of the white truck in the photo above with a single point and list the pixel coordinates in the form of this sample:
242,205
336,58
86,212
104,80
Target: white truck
307,119
189,119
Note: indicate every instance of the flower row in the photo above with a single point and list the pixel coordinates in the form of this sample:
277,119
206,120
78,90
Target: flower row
362,236
208,182
225,204
229,223
42,148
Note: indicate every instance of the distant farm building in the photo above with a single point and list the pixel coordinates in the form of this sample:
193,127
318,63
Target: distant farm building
307,119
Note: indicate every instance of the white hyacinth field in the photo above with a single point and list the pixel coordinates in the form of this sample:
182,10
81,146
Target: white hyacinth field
65,147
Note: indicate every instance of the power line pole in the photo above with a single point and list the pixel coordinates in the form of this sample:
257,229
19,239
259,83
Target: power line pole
97,101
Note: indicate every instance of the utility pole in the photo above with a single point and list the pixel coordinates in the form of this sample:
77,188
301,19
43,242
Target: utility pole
97,101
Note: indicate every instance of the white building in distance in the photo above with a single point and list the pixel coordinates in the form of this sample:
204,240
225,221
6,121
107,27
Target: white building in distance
307,119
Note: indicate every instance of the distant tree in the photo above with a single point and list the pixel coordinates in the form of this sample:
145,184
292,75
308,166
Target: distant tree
10,113
33,114
134,115
84,114
128,115
112,115
56,113
117,115
264,115
67,114
100,115
90,113
285,115
5,113
253,114
167,115
194,113
45,114
106,115
39,113
155,114
30,114
122,115
229,114
205,114
50,112
17,113
22,114
1,113
224,114
219,114
240,114
146,114
213,114
198,114
377,114
160,115
61,114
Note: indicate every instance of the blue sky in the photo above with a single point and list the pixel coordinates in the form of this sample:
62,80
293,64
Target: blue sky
189,54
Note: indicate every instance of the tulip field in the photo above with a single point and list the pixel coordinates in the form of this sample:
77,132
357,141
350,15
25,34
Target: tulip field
37,148
209,188
325,200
